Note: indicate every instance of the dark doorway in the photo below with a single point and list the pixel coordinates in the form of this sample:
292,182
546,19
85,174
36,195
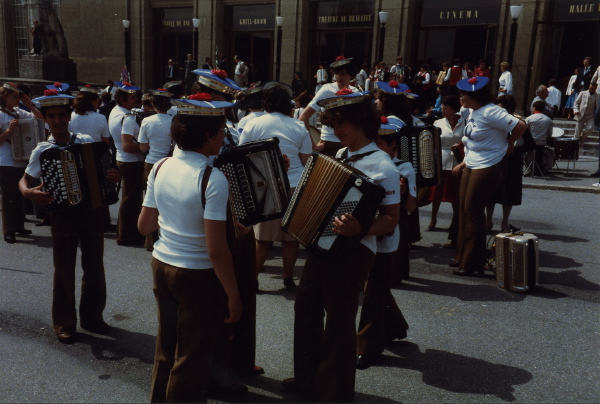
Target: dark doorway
174,46
331,44
575,40
468,43
256,49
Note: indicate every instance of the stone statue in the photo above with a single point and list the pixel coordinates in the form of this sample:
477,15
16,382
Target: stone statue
53,39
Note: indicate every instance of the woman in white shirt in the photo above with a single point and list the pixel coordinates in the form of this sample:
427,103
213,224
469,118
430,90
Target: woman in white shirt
191,262
572,94
85,119
505,80
11,171
452,127
483,169
294,141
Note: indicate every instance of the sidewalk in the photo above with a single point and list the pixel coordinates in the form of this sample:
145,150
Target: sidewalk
576,180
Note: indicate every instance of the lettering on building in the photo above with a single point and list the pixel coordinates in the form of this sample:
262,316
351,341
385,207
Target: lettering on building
584,8
331,19
253,21
459,14
176,23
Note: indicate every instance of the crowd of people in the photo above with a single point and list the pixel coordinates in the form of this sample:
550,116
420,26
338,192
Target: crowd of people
205,266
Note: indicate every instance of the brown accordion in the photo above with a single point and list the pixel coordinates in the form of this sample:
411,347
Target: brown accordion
26,137
76,177
258,183
328,189
421,147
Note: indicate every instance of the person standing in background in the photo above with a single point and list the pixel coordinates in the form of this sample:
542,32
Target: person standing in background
241,72
554,96
171,70
36,33
189,66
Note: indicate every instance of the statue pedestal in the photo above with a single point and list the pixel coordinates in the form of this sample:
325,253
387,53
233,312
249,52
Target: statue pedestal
38,67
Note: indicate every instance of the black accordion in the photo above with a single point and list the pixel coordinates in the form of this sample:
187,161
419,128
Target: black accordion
76,177
421,147
258,183
328,189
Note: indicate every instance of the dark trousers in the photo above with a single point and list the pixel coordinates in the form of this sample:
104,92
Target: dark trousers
235,348
380,317
325,353
401,266
132,197
190,309
69,230
13,217
476,188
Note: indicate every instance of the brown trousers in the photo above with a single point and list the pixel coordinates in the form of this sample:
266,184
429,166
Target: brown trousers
325,354
235,348
13,218
132,197
190,310
476,188
69,230
380,317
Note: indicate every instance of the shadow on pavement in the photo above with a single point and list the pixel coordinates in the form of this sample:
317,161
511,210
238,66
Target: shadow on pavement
457,373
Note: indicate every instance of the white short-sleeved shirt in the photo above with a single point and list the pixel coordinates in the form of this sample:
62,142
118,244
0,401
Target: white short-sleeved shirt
379,167
176,191
121,121
172,111
156,131
242,123
293,139
327,91
92,123
485,135
34,167
449,138
6,159
406,170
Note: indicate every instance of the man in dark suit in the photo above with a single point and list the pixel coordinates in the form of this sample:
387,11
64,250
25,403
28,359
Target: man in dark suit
188,67
171,71
208,63
585,74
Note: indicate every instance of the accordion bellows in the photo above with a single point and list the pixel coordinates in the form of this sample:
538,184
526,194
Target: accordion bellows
258,184
25,138
326,190
76,177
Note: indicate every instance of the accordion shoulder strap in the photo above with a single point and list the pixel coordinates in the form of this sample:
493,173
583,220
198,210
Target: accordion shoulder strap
204,185
345,159
10,113
159,166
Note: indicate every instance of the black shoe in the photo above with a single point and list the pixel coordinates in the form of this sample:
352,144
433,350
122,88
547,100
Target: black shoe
111,228
400,335
453,264
99,327
468,272
44,222
10,238
596,174
24,232
66,337
513,228
364,361
289,283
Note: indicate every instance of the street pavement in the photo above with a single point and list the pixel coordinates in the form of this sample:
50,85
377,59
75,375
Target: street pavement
468,342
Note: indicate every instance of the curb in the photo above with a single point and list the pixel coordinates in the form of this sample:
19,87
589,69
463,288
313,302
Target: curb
589,190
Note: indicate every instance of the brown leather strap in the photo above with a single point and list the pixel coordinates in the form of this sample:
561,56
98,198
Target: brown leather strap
159,166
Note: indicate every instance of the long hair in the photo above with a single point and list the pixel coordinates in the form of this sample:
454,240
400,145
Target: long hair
83,102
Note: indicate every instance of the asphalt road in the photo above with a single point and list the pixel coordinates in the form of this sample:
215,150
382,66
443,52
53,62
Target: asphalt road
468,341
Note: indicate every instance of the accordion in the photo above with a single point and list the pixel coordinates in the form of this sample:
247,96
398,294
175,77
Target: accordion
517,267
26,137
76,177
258,183
328,189
421,146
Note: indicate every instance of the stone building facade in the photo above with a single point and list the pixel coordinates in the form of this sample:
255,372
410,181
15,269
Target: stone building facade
551,36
